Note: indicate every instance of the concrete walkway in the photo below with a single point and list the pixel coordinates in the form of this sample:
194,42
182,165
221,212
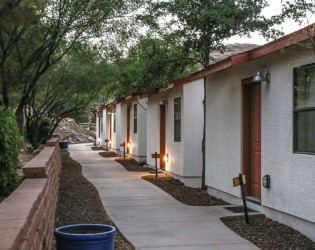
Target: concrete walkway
148,217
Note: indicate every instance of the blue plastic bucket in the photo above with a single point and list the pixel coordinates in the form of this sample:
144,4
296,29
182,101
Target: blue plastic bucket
63,144
85,237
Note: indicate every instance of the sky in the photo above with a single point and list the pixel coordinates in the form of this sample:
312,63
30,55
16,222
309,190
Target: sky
288,27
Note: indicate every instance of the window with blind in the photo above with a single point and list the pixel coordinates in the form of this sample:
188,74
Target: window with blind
304,109
177,119
135,118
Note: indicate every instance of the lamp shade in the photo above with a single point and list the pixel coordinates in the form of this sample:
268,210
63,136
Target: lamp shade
258,77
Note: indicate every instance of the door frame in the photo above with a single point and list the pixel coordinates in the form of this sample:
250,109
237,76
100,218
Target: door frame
128,129
162,136
246,142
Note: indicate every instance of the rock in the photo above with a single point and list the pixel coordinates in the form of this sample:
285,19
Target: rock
90,138
79,139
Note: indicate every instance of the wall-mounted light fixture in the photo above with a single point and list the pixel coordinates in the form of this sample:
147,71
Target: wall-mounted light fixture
266,181
163,102
166,157
129,144
127,106
260,78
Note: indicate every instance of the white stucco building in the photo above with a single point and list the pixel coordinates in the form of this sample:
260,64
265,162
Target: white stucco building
265,129
175,130
124,121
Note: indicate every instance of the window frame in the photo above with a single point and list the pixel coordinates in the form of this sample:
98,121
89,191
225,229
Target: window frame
179,139
296,111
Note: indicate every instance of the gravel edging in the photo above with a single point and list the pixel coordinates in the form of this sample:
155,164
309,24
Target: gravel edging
107,154
185,195
268,234
132,165
79,201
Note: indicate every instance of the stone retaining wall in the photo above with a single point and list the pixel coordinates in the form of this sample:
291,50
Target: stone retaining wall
27,215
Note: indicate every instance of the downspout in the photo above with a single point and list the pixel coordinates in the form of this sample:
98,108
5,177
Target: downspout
203,177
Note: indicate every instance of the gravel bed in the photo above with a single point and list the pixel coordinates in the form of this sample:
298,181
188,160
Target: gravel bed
186,195
268,234
107,154
132,165
97,148
79,201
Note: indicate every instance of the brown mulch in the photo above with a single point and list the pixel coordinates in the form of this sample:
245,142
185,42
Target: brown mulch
97,148
107,154
186,195
79,201
268,234
132,165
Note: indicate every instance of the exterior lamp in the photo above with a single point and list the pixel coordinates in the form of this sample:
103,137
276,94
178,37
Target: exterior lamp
163,102
127,106
260,78
129,144
110,141
266,181
166,157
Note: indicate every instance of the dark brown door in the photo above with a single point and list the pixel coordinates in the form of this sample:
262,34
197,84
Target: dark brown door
252,138
128,129
110,127
162,136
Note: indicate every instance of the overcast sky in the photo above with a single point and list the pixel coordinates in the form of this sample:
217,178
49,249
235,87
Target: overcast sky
288,27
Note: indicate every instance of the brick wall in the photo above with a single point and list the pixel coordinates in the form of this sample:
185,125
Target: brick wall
27,215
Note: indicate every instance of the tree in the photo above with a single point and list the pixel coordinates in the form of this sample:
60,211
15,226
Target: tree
67,88
150,63
302,11
7,7
33,47
201,27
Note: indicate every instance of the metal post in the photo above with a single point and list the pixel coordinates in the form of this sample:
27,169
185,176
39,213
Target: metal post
124,150
156,172
244,198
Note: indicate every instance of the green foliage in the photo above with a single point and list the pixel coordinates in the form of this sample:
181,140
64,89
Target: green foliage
201,27
150,63
9,151
38,130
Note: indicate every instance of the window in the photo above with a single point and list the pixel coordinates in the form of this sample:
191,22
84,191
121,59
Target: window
115,121
135,118
177,119
304,109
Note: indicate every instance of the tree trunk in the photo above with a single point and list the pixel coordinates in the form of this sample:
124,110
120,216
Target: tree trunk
20,118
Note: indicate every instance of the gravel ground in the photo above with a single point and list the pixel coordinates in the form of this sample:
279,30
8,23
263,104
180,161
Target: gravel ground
79,201
132,165
97,148
268,234
107,154
186,195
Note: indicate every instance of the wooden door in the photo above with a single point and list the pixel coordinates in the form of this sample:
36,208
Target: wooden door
252,138
162,136
128,129
110,128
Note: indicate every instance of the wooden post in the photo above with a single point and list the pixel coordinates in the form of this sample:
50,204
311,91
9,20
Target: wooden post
244,198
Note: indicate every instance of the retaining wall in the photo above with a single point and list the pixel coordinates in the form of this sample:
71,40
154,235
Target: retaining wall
27,216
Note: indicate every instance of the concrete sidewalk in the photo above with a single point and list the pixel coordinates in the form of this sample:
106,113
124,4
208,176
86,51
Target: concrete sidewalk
148,217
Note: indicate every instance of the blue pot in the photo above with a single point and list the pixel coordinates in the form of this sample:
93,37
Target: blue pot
63,144
74,237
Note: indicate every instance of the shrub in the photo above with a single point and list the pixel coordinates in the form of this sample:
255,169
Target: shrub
43,131
9,151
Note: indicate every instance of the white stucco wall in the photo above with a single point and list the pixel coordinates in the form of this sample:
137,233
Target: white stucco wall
104,133
116,135
184,157
97,129
153,128
292,175
193,95
138,140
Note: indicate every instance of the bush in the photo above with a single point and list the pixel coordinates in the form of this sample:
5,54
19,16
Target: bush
43,131
9,151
